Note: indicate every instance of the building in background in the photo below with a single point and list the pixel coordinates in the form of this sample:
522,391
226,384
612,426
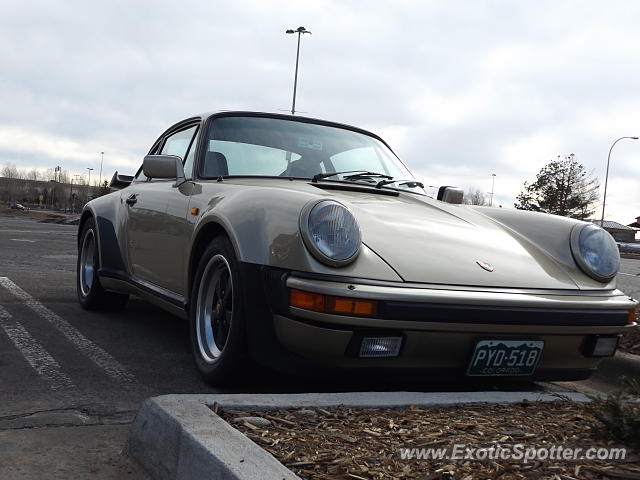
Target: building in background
636,225
620,232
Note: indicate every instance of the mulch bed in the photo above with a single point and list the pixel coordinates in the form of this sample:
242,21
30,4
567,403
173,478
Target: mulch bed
319,444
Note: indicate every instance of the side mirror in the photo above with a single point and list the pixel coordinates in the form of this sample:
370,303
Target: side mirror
450,194
164,166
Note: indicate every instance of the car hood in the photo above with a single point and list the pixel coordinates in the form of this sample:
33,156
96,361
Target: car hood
427,241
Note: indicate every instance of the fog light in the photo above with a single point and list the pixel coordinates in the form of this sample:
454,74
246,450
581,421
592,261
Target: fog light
376,347
601,346
605,346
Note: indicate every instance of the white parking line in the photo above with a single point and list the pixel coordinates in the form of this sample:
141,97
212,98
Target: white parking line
41,232
41,361
101,358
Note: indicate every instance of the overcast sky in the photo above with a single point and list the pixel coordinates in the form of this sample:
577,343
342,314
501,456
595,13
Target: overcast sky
460,90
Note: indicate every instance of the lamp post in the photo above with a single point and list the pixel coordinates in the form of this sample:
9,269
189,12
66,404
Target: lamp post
299,31
606,177
71,194
89,183
73,200
493,183
101,160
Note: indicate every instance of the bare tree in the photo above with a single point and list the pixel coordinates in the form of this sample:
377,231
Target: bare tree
475,197
33,174
103,189
11,176
63,176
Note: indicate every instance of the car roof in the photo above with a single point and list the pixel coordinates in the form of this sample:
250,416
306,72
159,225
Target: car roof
239,113
282,116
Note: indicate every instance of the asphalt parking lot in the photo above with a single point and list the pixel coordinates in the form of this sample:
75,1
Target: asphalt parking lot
629,277
83,374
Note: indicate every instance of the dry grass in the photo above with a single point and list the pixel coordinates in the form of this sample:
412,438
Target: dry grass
618,414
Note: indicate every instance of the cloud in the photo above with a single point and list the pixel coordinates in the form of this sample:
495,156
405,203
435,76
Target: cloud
459,89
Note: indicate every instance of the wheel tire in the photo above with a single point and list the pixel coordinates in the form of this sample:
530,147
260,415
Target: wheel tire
91,294
216,317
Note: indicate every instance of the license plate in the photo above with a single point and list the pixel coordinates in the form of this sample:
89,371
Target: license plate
501,358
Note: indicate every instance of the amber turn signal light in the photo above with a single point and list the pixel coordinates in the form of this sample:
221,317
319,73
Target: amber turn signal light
632,317
336,305
347,306
307,301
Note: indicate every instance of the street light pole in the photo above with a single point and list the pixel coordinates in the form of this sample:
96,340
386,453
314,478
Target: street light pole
101,160
71,194
73,202
89,183
493,182
606,177
299,31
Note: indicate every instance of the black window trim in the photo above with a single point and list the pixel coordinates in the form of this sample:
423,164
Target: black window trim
176,128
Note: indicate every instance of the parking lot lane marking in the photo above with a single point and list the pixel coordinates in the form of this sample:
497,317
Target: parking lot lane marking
41,361
40,232
23,240
101,358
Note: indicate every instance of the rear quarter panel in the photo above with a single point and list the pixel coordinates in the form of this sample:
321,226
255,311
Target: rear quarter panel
111,230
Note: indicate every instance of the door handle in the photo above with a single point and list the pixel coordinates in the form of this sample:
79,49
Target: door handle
131,200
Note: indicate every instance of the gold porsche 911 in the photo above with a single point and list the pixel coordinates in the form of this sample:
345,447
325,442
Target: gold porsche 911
307,245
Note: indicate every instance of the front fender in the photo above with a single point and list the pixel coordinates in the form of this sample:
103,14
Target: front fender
550,233
263,226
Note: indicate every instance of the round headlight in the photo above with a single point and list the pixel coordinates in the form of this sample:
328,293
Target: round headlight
595,252
330,232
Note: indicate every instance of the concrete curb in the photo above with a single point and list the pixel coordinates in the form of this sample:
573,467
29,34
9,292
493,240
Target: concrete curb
622,364
179,436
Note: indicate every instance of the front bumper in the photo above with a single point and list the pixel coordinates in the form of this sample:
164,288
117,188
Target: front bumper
440,326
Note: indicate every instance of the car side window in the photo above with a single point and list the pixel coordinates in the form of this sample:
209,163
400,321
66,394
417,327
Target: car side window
188,163
140,176
178,143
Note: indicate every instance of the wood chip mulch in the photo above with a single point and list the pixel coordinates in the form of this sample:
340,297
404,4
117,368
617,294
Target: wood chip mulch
362,444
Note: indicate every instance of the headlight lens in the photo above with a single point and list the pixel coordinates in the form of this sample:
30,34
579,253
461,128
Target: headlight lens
596,252
331,233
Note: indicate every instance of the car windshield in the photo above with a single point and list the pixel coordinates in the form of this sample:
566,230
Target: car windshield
273,147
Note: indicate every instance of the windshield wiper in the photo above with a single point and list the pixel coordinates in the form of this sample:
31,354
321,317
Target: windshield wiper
356,175
409,183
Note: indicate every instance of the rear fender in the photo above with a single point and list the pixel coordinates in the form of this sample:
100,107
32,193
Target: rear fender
109,229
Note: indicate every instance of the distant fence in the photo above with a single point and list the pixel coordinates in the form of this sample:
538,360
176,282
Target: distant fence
42,193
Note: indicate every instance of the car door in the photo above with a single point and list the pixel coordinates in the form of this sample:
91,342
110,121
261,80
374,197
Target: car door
157,227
